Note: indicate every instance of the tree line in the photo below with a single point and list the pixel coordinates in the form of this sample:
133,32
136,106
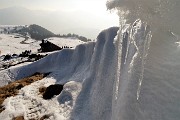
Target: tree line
69,35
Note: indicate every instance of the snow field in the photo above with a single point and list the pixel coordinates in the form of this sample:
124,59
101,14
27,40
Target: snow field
30,104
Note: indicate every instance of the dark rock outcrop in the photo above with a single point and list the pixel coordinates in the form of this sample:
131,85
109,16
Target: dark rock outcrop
47,46
35,57
7,57
26,53
52,90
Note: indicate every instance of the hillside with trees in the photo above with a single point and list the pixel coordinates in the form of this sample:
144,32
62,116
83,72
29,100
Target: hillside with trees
69,35
36,32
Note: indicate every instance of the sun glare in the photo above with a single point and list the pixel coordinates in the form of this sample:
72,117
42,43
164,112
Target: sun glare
91,6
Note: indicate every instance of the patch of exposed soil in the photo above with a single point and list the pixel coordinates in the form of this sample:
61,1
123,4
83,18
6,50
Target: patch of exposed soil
45,117
19,118
42,90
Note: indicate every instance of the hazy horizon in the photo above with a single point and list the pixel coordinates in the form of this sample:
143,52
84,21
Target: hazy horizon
82,17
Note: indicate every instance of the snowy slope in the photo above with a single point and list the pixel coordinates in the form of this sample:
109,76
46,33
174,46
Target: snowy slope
30,104
70,42
12,44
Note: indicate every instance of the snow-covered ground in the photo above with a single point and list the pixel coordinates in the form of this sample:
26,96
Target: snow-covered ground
30,104
12,44
15,43
70,42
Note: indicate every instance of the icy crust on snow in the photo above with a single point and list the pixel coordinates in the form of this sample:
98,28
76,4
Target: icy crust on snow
116,74
95,99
